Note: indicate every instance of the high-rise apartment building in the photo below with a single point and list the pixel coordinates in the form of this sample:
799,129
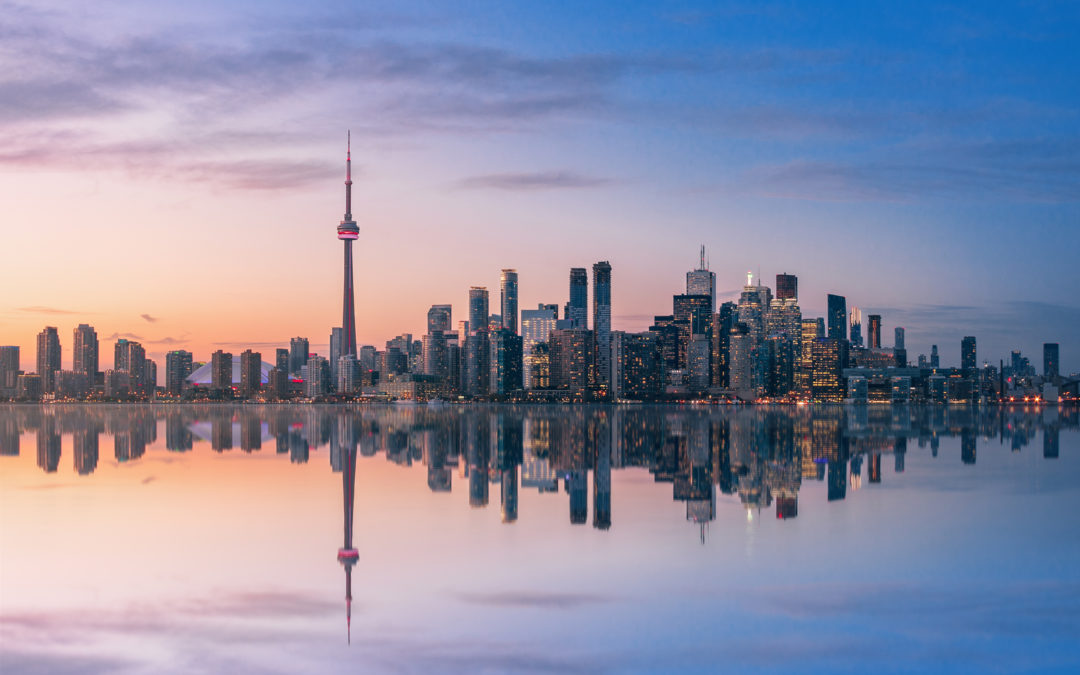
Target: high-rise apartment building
178,365
702,282
48,357
337,336
84,356
572,359
577,309
250,372
221,370
9,368
129,357
476,371
641,367
602,322
508,295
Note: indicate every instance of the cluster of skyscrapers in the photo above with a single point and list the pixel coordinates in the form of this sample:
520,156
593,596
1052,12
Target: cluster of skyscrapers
758,348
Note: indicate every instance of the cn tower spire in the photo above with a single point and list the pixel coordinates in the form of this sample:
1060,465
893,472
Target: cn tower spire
347,231
348,175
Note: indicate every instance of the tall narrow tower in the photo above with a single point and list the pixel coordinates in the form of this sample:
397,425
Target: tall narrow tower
348,555
347,231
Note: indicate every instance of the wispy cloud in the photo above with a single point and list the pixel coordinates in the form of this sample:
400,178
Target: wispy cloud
542,180
126,336
534,599
41,309
148,318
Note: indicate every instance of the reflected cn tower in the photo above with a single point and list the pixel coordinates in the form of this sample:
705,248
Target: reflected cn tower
348,555
347,231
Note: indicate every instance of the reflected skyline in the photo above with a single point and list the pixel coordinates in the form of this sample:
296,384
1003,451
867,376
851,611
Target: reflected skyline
760,455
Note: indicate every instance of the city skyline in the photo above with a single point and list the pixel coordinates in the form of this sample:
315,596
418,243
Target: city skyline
941,205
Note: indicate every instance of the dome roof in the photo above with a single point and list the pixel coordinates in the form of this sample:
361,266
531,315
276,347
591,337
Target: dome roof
203,374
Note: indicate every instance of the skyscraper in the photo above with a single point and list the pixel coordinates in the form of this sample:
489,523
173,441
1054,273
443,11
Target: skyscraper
899,350
221,370
48,357
874,332
9,368
968,356
508,291
536,327
935,359
837,317
177,368
577,309
721,339
602,322
855,324
129,357
84,355
702,282
898,338
347,231
337,336
1051,369
475,374
298,354
787,287
250,372
439,318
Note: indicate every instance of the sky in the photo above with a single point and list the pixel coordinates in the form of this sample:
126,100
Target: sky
173,172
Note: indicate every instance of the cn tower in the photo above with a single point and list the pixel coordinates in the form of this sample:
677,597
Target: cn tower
347,231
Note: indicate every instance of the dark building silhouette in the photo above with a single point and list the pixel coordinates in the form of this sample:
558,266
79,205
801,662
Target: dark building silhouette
837,318
787,287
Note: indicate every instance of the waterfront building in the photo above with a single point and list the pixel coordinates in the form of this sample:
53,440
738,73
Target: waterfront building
827,370
250,372
572,362
221,371
85,352
536,327
508,291
178,366
577,309
506,362
318,376
48,358
602,322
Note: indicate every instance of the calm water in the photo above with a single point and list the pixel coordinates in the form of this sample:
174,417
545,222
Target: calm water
551,538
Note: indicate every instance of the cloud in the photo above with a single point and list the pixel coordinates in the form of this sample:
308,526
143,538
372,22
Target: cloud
1035,170
543,180
40,309
536,600
148,318
126,336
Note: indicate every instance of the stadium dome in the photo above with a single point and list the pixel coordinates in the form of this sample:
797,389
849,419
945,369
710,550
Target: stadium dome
203,374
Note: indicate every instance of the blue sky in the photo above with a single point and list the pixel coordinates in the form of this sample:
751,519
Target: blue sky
919,158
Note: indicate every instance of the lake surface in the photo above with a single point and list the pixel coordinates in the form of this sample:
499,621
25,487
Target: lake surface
156,538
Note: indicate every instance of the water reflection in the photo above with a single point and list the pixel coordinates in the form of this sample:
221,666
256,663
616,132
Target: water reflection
762,455
761,458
